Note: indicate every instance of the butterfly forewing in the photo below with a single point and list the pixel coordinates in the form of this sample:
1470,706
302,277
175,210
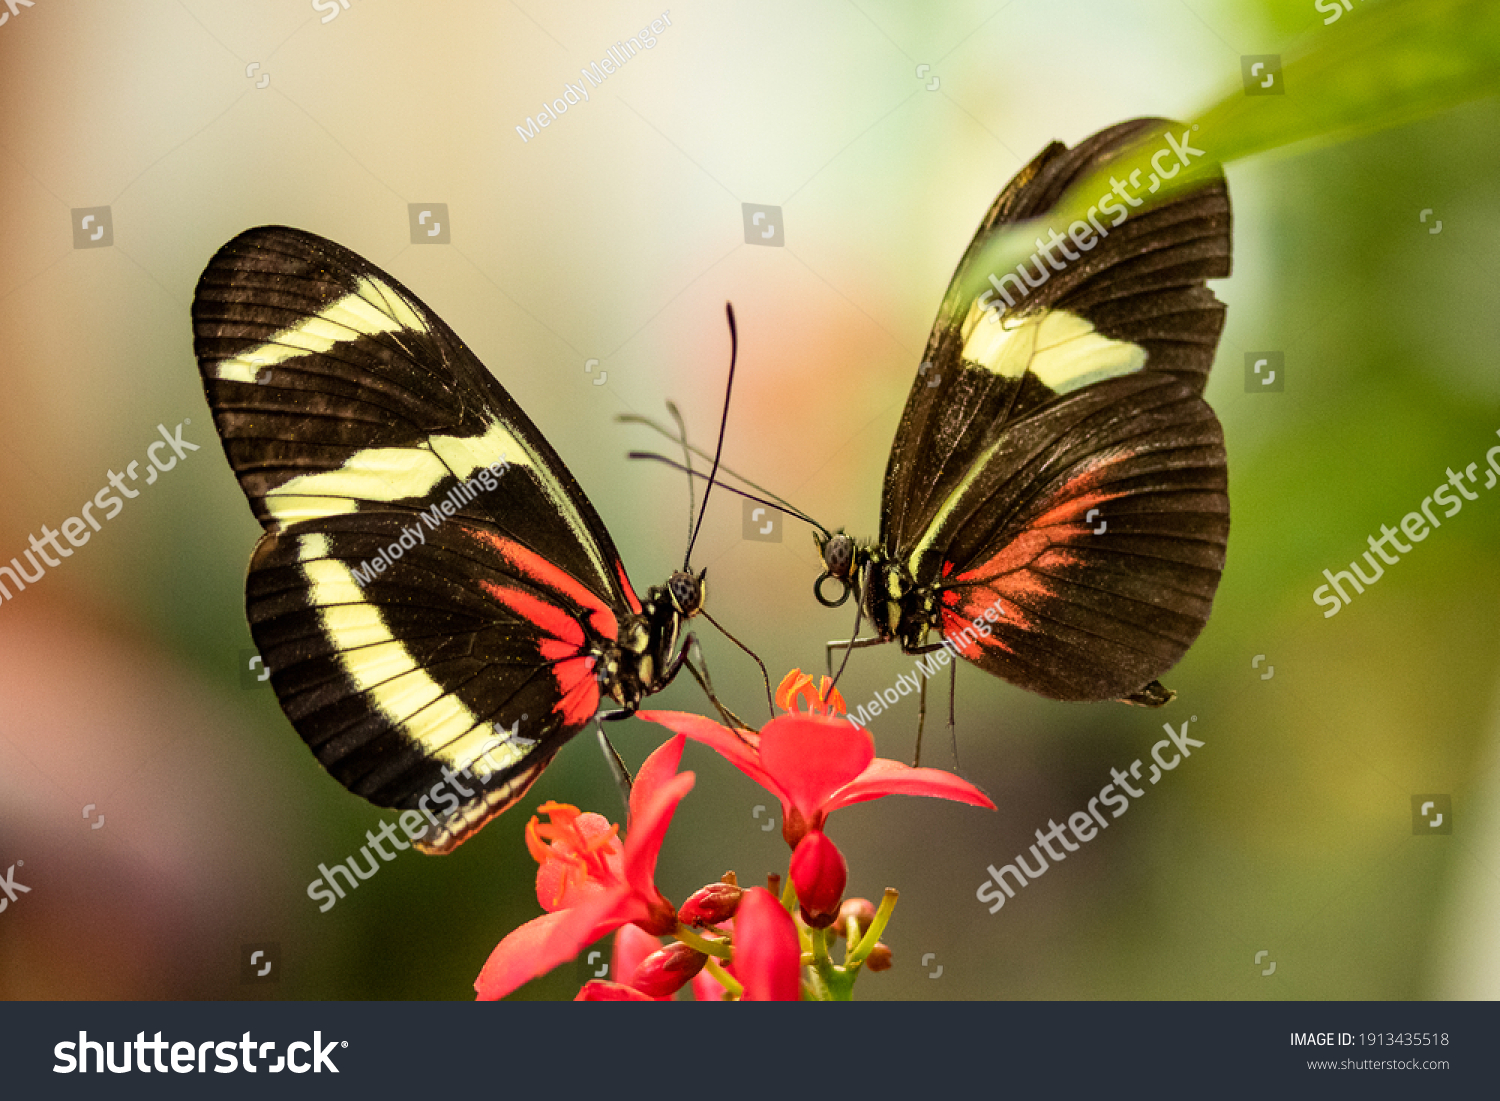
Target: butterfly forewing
431,575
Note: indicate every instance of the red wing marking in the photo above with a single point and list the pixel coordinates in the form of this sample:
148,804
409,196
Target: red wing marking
630,597
580,690
577,689
535,568
548,618
967,639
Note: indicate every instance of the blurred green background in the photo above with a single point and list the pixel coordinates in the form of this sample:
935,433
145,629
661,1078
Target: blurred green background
616,235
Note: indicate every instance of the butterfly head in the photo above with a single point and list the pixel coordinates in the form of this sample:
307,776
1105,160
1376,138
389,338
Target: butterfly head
840,563
687,591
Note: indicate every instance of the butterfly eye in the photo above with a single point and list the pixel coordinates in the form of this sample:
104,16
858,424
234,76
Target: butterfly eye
838,557
687,592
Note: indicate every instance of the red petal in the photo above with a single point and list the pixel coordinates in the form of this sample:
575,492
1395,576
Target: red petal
655,771
886,777
739,748
767,953
706,988
524,954
597,990
642,846
811,758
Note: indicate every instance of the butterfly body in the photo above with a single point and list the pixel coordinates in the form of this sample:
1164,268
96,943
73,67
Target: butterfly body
439,604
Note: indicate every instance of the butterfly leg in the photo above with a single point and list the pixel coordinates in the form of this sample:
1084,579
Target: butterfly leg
854,641
848,644
616,766
952,725
916,760
690,646
916,757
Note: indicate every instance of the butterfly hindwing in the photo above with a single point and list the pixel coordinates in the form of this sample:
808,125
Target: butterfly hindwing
431,575
1096,532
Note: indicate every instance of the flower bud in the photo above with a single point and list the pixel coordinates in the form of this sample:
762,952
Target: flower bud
862,910
879,958
663,973
710,905
819,875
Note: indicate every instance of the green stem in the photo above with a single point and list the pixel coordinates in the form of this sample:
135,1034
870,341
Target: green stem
724,978
703,944
877,927
829,983
851,936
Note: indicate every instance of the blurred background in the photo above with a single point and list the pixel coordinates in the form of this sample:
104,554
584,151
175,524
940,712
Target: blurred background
165,815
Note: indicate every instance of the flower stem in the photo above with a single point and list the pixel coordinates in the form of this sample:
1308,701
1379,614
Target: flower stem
724,978
703,944
872,934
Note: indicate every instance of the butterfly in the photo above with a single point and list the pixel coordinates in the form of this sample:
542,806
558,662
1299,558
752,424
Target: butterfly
439,604
1055,505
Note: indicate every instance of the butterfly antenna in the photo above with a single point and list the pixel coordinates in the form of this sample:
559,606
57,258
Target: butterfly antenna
734,352
687,455
777,503
786,506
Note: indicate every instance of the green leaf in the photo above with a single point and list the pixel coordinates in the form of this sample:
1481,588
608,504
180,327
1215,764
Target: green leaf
1378,67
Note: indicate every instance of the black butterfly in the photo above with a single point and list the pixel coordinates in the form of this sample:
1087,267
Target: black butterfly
433,592
1056,461
1056,465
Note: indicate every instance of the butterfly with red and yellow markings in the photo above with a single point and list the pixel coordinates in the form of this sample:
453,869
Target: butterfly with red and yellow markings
438,603
1056,465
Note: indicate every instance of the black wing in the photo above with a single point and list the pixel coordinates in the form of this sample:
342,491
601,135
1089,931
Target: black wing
432,579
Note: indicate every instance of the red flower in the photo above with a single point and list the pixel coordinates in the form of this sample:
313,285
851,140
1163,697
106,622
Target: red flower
816,763
589,881
767,952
